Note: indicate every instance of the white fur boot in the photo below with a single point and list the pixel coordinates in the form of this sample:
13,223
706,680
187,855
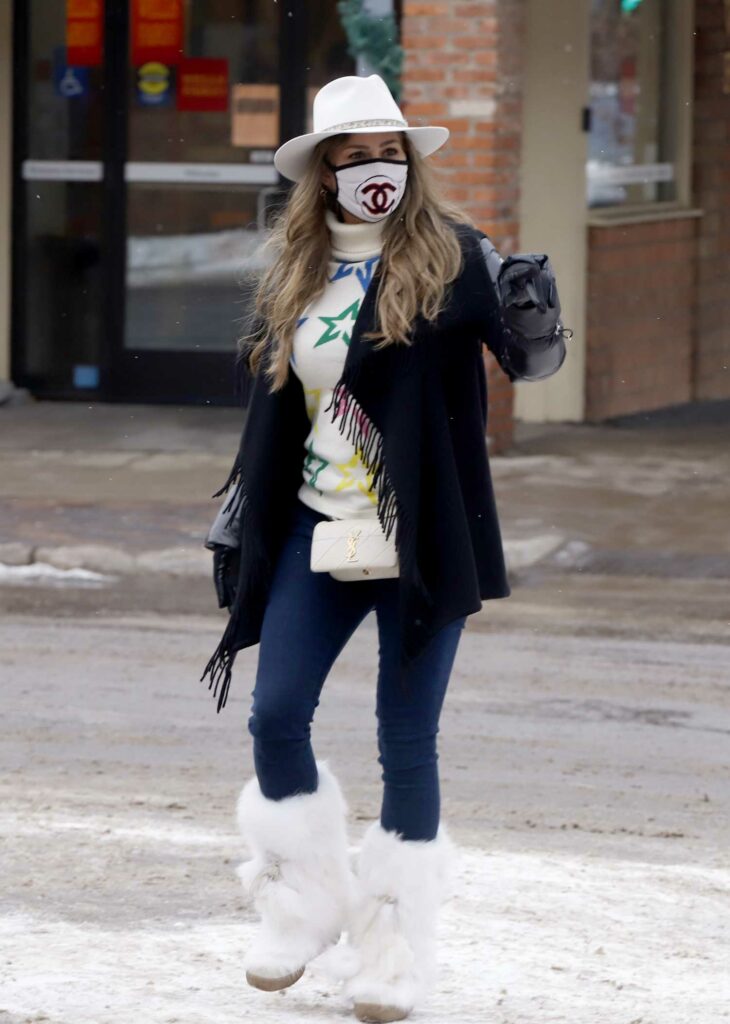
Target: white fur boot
299,877
401,885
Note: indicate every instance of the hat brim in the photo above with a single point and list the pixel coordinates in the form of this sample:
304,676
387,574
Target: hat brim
292,158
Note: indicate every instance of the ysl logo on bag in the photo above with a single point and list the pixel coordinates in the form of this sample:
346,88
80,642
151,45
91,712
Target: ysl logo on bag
352,539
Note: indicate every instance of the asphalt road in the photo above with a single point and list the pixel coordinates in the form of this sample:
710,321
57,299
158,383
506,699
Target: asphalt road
584,765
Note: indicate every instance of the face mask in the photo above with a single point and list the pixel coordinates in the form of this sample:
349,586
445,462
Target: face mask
370,189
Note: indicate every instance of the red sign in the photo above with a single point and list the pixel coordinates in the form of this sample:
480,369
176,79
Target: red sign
84,32
202,84
157,31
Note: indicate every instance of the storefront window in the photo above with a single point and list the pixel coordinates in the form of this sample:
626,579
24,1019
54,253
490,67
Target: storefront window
634,98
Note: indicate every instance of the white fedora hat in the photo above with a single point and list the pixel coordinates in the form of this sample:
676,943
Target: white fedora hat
354,105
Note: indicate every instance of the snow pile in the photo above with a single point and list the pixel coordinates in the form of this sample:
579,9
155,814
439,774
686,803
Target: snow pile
45,574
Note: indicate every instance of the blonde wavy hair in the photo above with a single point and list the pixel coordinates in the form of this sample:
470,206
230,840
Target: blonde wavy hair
420,258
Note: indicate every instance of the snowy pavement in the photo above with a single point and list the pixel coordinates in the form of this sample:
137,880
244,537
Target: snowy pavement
525,938
584,778
584,743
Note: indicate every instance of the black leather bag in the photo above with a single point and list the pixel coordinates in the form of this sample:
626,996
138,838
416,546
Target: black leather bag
529,306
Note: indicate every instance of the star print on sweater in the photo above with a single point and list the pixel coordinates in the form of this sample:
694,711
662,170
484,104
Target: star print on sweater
313,466
312,397
343,331
348,470
363,271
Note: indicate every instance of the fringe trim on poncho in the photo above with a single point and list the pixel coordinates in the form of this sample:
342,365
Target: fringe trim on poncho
254,556
360,430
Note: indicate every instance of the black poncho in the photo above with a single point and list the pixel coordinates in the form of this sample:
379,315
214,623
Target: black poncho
427,407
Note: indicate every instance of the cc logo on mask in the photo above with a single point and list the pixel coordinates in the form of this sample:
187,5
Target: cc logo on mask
370,189
378,196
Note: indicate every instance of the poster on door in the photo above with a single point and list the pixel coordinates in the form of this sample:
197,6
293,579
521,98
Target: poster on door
84,33
157,31
202,84
255,116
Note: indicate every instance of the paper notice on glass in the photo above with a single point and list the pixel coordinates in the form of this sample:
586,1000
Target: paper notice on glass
255,116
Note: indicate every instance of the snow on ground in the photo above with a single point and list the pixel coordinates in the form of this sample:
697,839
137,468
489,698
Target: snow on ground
46,574
526,938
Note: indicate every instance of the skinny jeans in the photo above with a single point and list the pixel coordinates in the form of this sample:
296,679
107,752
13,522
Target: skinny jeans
308,619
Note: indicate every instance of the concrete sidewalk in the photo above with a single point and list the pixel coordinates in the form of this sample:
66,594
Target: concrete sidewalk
121,488
112,487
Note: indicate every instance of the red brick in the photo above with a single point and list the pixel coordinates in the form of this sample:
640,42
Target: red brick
428,74
445,26
415,10
457,159
470,143
480,158
457,125
482,41
422,42
423,110
473,10
486,74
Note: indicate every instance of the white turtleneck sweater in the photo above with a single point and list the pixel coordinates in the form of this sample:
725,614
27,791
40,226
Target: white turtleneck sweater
335,481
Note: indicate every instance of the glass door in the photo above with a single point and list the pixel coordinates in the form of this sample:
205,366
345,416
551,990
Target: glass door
202,101
58,198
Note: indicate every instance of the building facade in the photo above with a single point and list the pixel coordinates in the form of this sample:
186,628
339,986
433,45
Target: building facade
134,187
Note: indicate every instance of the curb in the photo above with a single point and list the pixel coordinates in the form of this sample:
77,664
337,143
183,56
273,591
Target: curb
193,562
175,561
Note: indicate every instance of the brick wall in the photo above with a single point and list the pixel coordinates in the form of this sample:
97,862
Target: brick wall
640,323
463,70
711,183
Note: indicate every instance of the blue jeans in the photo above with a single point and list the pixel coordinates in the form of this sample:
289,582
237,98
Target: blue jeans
309,618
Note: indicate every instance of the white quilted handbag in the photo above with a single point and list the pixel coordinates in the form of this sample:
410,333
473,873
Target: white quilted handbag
353,549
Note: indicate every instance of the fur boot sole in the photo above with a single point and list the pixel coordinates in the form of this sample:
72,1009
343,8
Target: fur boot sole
377,1014
275,984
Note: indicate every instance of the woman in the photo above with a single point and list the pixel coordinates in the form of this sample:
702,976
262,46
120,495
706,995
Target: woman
366,397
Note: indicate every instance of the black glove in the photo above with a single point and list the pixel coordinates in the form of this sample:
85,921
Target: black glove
226,563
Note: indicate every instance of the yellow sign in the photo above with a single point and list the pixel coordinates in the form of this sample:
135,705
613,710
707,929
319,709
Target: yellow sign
153,83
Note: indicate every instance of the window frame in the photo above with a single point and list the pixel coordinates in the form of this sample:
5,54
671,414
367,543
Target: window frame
681,58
